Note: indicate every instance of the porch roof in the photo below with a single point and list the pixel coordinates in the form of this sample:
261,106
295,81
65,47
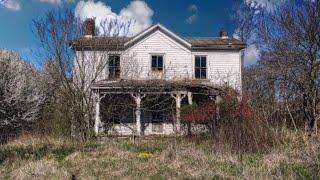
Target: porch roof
157,86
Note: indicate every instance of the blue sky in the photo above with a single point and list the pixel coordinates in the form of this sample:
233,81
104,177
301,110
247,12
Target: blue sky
185,17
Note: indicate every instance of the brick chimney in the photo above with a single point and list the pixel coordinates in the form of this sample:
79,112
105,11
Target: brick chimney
89,27
223,34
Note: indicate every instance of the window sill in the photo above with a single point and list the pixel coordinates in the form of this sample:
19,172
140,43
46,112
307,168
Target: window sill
206,80
156,70
114,79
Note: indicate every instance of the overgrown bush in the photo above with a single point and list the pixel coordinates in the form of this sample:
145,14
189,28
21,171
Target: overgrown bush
234,123
239,126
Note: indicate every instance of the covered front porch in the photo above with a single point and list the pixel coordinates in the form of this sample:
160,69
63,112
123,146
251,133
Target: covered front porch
152,107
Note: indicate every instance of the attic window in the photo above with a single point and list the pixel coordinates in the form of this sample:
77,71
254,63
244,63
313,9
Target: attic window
157,62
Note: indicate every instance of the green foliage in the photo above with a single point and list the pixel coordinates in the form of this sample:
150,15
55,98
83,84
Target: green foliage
55,118
90,146
150,147
40,151
63,151
300,171
230,168
27,153
188,107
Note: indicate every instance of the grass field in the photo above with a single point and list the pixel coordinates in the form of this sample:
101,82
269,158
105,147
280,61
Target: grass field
31,157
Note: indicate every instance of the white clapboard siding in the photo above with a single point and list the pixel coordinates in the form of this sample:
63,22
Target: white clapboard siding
90,66
223,67
177,59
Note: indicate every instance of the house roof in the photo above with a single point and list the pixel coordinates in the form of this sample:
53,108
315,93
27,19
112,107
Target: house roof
100,43
203,43
121,43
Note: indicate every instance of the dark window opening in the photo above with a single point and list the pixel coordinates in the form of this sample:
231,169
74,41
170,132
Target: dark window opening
157,117
157,63
121,110
114,66
200,67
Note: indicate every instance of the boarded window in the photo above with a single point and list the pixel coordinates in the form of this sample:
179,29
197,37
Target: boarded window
157,63
114,66
200,67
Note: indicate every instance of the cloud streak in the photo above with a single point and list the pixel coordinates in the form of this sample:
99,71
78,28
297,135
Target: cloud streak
267,4
191,19
194,16
12,5
193,8
56,2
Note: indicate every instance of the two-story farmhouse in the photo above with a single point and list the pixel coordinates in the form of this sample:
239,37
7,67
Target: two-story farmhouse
160,65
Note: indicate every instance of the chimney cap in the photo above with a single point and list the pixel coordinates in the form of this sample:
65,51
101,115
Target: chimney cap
223,34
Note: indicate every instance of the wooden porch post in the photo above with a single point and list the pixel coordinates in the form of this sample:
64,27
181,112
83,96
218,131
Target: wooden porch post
178,97
137,97
190,98
190,103
97,121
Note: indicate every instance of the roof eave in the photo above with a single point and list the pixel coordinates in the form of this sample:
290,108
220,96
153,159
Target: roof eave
218,47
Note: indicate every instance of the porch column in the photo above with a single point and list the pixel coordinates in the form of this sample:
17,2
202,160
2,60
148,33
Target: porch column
97,121
218,100
178,97
190,98
190,103
137,97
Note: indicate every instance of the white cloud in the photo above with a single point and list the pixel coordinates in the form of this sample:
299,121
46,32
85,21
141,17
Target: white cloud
58,2
236,34
137,12
191,19
12,5
140,12
194,16
267,4
251,55
193,8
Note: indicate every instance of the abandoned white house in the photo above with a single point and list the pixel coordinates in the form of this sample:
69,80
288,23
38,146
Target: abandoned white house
159,65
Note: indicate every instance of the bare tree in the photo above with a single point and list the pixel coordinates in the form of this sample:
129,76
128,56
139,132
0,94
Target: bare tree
291,35
245,19
75,67
288,39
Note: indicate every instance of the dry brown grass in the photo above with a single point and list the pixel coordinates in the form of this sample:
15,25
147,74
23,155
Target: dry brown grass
297,157
28,139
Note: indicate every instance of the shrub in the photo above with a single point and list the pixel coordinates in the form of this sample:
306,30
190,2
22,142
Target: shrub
199,114
233,122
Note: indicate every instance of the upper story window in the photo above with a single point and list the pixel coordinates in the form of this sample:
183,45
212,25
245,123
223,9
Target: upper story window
114,66
157,62
200,67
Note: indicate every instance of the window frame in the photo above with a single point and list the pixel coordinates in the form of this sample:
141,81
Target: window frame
157,68
201,68
113,74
